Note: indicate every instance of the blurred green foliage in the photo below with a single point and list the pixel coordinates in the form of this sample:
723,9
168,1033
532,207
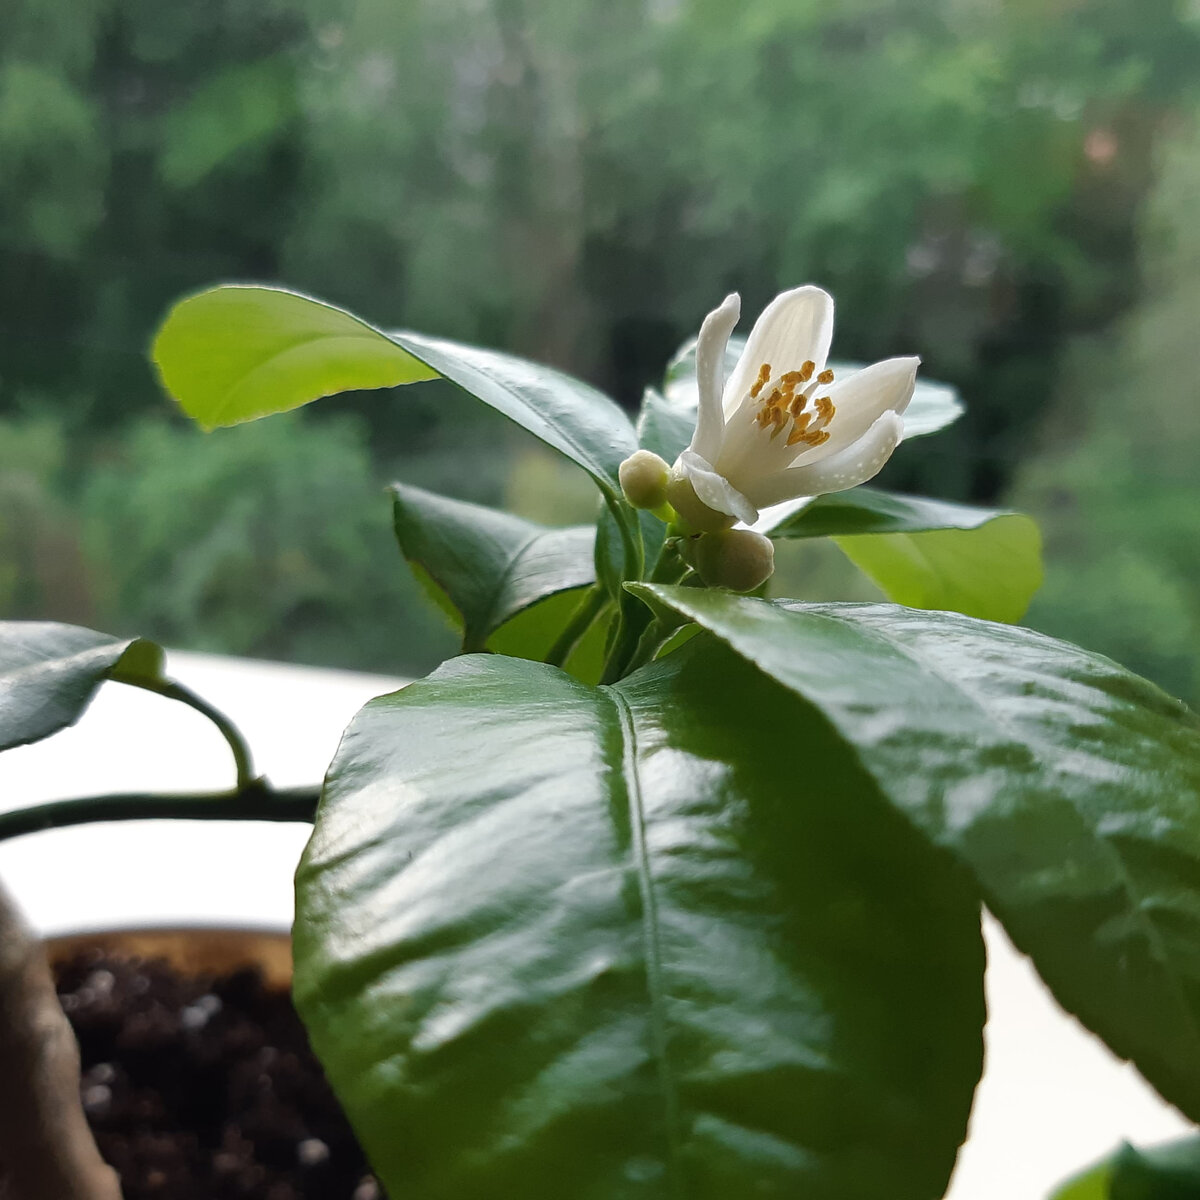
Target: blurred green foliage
578,181
1117,484
299,566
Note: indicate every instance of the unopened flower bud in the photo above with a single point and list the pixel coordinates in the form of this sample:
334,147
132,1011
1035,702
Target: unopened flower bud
644,479
694,515
737,559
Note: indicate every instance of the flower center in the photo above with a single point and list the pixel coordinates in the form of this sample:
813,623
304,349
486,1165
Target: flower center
787,403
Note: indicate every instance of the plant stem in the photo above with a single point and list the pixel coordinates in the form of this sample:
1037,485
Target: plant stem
589,608
46,1148
257,801
626,649
230,732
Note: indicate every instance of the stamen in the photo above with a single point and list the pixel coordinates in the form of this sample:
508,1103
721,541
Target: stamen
810,437
764,373
825,376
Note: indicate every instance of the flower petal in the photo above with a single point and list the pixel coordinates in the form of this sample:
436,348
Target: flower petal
715,490
795,327
855,464
861,399
710,375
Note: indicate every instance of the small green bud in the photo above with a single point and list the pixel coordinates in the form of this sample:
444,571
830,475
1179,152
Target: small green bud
737,559
644,478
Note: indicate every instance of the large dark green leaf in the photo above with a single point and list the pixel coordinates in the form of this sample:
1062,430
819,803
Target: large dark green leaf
1068,785
490,565
1170,1172
659,940
238,352
573,417
49,673
933,406
929,553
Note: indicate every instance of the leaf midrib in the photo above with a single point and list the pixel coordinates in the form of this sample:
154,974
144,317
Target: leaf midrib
655,987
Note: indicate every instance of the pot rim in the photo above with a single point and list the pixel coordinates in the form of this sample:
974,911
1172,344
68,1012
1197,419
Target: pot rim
199,948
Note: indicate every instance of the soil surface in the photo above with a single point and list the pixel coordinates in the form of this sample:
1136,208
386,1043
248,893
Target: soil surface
204,1088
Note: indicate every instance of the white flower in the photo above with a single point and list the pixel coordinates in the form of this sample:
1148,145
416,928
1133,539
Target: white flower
780,426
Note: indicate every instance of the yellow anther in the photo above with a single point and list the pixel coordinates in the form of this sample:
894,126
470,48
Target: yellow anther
810,437
825,409
764,373
825,376
806,370
797,405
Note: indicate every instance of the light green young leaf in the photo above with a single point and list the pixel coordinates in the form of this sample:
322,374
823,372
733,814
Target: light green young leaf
239,352
1069,786
1169,1172
50,672
490,565
609,944
925,553
532,633
235,353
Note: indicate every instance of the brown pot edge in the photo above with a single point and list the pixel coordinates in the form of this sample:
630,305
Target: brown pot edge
199,949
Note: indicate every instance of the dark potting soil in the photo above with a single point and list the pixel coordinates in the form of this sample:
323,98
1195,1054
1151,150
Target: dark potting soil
204,1088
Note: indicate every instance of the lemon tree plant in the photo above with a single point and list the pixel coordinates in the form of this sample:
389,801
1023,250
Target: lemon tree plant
664,888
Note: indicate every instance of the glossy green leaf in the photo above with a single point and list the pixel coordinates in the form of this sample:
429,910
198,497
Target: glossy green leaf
238,352
930,553
566,413
613,943
489,564
1169,1172
933,406
1069,786
867,510
50,672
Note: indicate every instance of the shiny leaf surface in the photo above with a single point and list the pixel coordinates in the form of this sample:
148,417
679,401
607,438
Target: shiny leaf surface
50,672
239,352
610,943
1069,786
925,553
489,564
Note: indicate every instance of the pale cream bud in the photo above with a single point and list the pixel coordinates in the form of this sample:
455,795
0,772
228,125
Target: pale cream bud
643,478
737,559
